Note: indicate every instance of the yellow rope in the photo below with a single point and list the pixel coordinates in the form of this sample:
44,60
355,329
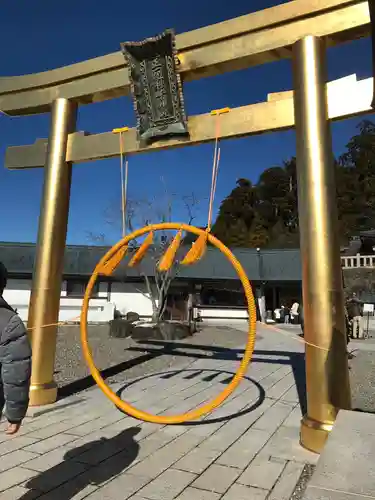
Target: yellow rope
60,323
298,339
289,335
122,187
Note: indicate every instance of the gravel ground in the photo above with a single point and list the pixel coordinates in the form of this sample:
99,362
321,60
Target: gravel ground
303,481
362,380
124,359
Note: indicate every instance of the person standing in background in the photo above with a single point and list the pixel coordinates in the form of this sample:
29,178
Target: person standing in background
286,314
302,320
277,315
355,312
294,312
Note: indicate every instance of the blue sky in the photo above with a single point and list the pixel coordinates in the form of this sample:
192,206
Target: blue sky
41,35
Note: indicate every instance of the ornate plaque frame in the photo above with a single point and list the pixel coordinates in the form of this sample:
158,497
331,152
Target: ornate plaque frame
156,87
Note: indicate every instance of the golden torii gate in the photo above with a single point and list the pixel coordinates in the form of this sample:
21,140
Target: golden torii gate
300,29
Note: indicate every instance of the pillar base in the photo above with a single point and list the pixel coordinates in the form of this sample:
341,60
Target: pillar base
314,434
43,394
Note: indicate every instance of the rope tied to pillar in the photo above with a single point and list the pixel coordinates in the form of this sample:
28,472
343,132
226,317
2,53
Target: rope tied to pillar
292,336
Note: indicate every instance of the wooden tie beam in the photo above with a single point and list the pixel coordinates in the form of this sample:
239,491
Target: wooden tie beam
274,115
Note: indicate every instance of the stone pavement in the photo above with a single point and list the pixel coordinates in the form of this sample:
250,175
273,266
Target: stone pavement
346,472
248,448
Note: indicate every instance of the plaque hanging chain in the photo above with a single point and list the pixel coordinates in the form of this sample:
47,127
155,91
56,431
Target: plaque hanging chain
124,185
199,247
215,163
124,170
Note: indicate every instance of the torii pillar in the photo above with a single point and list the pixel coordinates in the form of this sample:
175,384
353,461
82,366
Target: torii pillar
48,268
327,374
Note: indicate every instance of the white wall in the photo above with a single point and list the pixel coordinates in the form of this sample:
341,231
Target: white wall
125,297
225,313
100,309
17,294
131,297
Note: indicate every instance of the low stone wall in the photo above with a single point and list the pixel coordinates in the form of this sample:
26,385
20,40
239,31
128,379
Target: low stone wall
361,281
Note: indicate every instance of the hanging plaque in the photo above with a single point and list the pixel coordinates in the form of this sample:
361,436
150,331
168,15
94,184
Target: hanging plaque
371,4
156,87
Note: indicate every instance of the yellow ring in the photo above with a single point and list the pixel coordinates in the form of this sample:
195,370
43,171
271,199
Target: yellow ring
241,371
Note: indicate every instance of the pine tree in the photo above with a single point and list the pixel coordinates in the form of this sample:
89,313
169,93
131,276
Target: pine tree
236,215
267,214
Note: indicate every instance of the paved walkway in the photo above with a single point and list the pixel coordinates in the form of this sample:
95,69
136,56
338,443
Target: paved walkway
247,449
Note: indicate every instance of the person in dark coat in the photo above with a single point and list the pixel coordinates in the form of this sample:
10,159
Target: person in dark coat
302,320
15,363
355,312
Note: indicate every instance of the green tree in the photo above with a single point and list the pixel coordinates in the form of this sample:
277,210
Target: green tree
277,204
261,215
267,214
355,177
236,215
259,233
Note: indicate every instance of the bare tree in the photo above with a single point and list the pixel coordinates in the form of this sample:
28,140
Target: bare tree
146,212
95,238
158,287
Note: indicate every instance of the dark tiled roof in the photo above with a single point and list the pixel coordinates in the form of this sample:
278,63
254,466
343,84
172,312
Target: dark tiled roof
370,233
268,265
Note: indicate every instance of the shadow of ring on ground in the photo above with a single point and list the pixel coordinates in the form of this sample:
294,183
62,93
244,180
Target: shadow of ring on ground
231,416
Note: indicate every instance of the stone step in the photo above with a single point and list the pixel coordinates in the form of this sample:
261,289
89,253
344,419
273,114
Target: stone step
346,467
